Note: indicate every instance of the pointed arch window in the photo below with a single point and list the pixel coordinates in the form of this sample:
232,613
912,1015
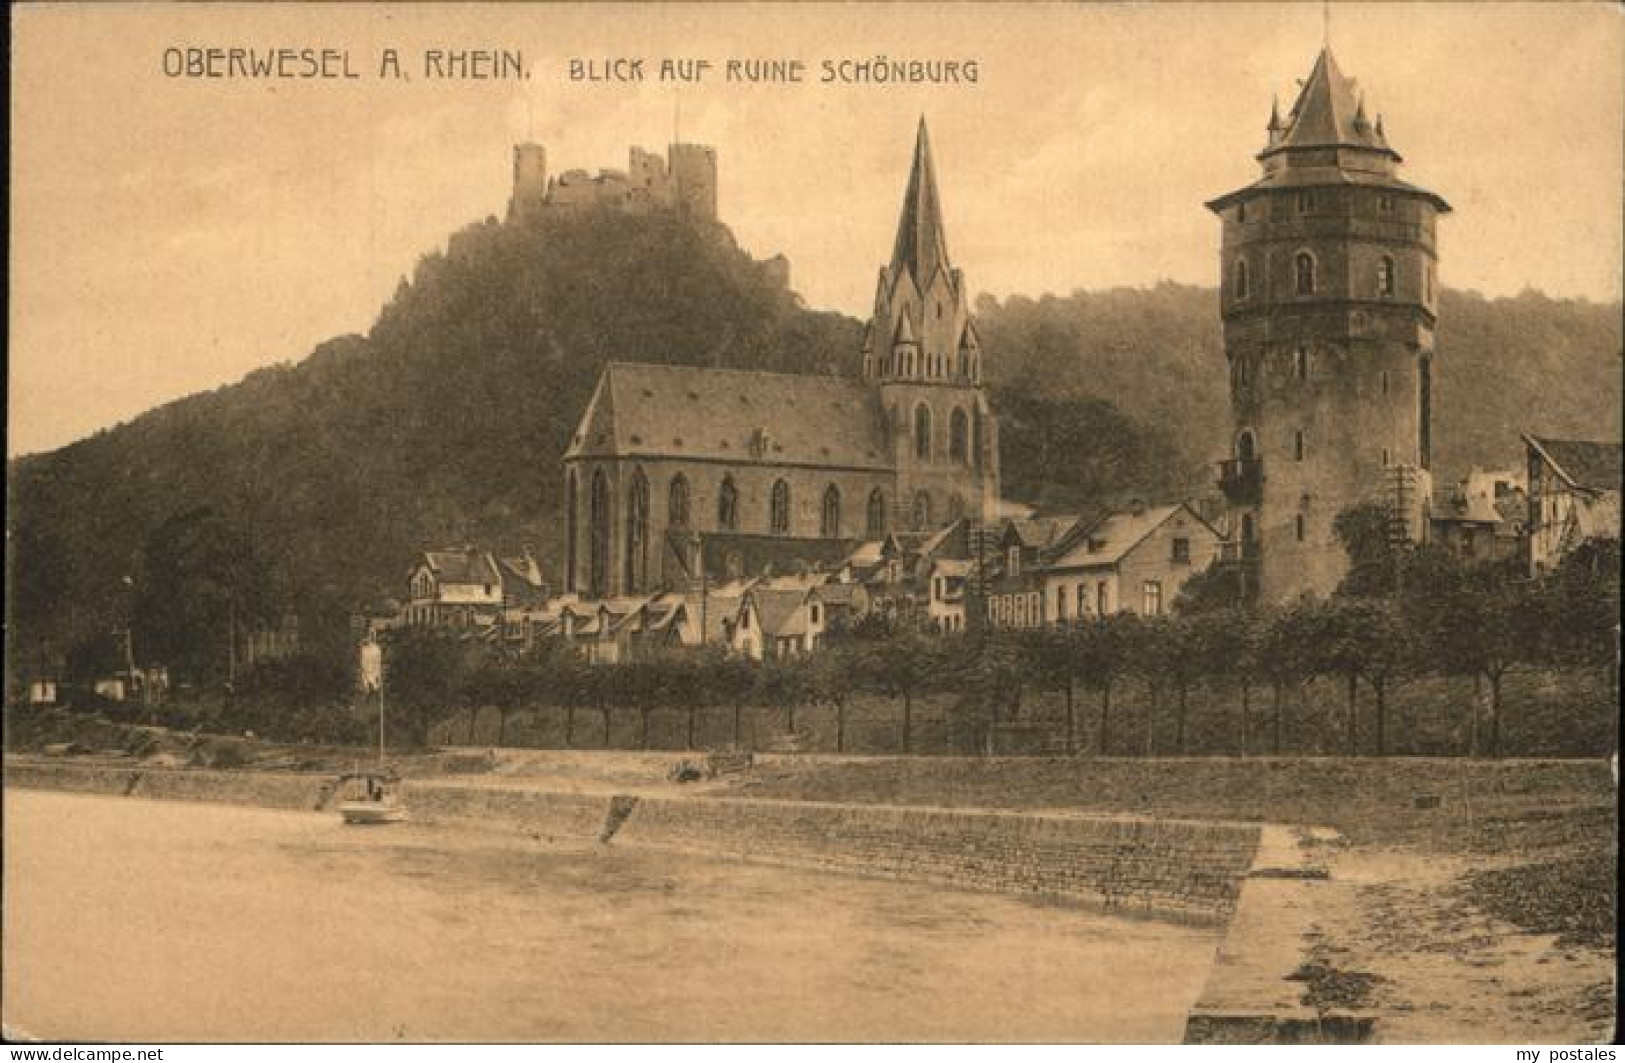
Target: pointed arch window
779,518
922,511
922,432
571,502
1385,276
637,534
958,436
875,525
1242,290
829,524
677,502
1304,272
599,534
728,505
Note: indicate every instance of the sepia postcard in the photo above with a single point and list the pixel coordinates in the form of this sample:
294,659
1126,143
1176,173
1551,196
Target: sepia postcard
917,523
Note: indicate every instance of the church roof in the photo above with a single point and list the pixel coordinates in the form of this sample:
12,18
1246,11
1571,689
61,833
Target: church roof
734,416
922,245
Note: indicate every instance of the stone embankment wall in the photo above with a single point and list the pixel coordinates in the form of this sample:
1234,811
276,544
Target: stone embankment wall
1188,870
1185,869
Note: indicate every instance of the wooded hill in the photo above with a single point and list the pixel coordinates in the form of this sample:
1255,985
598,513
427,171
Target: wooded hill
445,423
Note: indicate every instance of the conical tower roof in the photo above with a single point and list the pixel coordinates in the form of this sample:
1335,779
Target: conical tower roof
922,246
1326,113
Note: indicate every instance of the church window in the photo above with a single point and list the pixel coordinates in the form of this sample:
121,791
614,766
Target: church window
779,519
976,437
1385,381
1297,445
958,433
599,531
728,505
637,534
922,512
1300,362
1241,278
1306,202
956,506
1305,273
570,532
830,525
939,309
1298,527
677,502
922,432
1385,457
1385,276
876,526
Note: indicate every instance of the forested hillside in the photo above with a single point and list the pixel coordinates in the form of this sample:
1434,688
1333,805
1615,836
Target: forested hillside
445,423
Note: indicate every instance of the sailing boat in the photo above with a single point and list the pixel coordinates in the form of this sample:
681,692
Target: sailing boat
372,797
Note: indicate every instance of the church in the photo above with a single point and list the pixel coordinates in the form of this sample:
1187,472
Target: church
679,474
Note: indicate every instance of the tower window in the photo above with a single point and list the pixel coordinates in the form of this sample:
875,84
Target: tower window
830,525
1300,362
728,505
922,432
1241,278
1385,381
1298,527
958,435
1304,271
1385,276
779,517
922,512
1241,213
1297,445
1386,458
1306,202
876,526
1385,203
677,502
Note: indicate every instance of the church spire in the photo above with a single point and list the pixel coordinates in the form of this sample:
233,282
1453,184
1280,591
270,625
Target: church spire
921,244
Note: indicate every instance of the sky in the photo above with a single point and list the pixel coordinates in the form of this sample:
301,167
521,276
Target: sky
171,234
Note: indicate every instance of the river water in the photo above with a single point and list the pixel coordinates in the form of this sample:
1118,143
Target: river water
133,920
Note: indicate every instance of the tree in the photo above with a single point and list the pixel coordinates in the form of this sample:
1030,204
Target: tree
1485,626
899,667
1104,646
201,580
1276,652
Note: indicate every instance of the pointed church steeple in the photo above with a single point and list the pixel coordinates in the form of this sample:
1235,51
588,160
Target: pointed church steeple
922,246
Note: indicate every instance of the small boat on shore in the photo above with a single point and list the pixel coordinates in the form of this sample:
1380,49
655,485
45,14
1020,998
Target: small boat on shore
368,798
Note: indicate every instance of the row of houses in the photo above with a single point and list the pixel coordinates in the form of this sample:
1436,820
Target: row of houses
1024,571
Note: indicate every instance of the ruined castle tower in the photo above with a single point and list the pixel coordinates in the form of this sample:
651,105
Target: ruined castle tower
922,351
529,180
1329,299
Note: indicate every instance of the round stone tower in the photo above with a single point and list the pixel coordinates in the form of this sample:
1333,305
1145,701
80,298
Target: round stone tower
1329,299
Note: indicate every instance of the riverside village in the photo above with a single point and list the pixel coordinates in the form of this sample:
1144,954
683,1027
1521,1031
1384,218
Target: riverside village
1257,687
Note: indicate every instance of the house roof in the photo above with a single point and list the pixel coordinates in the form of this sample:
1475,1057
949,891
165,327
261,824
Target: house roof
1583,463
780,612
1118,533
461,566
743,418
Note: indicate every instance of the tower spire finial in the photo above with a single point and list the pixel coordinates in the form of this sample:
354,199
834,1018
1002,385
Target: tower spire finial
1326,24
